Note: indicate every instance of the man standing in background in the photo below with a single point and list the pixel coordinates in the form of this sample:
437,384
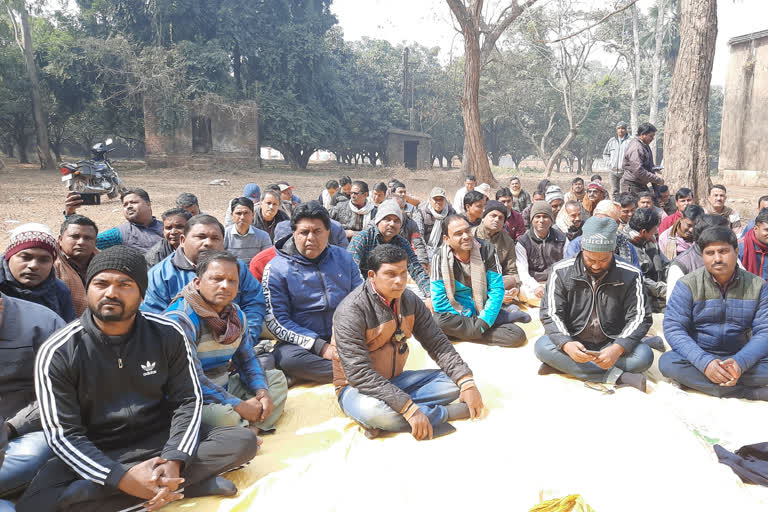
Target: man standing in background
613,155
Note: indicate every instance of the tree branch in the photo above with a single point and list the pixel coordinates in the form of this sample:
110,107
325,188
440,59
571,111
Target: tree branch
630,4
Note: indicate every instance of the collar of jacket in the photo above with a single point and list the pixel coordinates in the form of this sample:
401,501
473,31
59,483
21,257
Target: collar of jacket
89,325
482,233
379,300
611,277
180,261
551,235
286,247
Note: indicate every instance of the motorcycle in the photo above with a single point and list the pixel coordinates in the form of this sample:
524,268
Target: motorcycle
95,176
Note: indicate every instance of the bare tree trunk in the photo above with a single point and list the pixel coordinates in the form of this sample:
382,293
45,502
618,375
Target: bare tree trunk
470,16
41,123
476,160
656,65
633,121
685,141
556,155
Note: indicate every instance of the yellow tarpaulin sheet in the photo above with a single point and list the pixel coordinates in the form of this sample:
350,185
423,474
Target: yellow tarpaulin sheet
543,438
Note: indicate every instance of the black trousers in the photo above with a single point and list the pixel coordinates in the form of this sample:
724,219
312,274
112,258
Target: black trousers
57,487
462,328
302,364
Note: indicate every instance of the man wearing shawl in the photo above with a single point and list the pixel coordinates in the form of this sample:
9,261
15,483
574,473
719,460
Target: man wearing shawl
355,214
595,194
754,247
216,328
468,290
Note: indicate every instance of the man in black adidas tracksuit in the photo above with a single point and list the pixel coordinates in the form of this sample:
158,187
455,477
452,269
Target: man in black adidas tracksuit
120,405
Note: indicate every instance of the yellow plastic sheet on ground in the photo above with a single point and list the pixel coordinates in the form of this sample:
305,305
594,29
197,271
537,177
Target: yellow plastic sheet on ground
542,438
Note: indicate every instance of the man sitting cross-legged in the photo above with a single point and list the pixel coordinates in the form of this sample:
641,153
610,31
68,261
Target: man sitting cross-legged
595,313
717,324
24,326
385,230
370,331
120,405
303,285
216,326
468,289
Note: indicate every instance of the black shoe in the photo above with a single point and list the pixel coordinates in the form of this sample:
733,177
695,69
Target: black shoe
214,486
442,429
635,380
656,343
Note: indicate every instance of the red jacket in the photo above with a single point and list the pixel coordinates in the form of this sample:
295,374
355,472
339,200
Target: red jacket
258,262
667,222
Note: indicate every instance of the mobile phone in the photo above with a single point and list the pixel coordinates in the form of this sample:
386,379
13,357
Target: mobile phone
593,353
90,198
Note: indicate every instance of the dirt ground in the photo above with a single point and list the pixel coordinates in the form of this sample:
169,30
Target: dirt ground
30,195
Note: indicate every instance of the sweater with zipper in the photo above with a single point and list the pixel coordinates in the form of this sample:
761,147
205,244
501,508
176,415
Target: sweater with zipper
302,294
371,340
99,393
619,302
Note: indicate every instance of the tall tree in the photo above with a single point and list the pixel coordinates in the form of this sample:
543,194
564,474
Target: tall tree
480,36
19,16
656,67
686,143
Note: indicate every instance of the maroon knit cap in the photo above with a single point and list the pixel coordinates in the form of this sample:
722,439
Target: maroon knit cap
31,236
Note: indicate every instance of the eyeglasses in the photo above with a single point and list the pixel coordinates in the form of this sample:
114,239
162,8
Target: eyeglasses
353,193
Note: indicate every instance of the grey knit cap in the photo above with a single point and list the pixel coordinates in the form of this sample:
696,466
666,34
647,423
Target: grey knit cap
599,235
388,207
122,258
542,207
621,124
554,193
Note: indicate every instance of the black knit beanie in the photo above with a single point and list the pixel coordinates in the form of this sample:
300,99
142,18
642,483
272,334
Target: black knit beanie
495,205
124,259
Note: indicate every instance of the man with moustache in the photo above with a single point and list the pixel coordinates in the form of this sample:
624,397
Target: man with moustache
77,246
468,287
120,406
717,324
385,230
142,230
27,270
174,221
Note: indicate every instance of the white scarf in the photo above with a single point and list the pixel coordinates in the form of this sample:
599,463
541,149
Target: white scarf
436,235
365,210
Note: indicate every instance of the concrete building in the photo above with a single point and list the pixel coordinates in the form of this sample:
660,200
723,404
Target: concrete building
211,134
743,137
409,149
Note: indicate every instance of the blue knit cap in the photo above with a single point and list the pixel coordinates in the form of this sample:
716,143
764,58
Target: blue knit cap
599,235
252,191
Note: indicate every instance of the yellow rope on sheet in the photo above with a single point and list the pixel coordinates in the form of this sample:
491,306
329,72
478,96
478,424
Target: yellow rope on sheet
572,503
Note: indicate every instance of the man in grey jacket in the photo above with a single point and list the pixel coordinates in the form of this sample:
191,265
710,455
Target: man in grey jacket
613,155
24,326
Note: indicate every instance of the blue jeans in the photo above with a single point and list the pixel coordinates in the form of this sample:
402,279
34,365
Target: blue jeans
637,361
431,390
673,366
7,506
24,456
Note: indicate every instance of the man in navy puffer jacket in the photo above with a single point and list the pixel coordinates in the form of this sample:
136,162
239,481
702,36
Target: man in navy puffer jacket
303,284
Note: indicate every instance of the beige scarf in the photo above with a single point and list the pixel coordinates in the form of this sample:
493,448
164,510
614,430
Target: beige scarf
476,273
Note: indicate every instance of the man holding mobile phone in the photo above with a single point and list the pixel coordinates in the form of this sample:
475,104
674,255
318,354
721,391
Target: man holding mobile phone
595,313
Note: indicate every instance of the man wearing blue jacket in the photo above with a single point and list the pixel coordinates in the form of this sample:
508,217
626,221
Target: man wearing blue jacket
303,285
717,324
167,278
468,290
